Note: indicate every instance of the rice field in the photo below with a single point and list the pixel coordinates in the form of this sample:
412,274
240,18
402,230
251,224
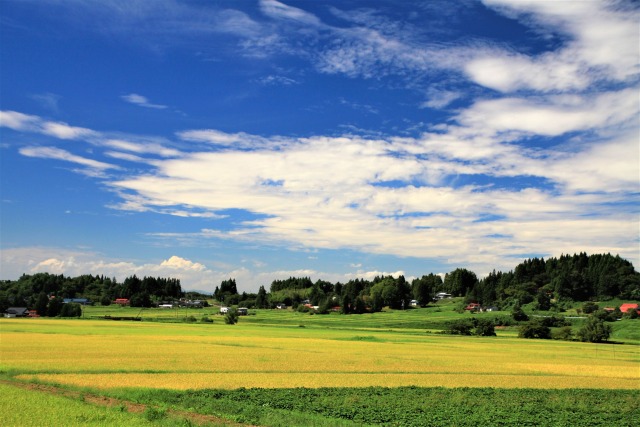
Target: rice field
114,355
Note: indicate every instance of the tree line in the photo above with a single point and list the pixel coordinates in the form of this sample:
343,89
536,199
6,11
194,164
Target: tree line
554,282
46,292
551,282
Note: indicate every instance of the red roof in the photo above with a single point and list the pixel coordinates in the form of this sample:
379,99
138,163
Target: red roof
627,306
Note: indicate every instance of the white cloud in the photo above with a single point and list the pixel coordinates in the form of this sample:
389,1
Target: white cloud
278,10
59,154
64,131
601,45
18,121
192,275
141,101
141,148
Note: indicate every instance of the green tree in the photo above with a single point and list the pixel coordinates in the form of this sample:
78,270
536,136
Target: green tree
543,300
485,328
71,310
460,327
261,298
518,314
590,307
594,330
55,307
41,304
231,317
534,328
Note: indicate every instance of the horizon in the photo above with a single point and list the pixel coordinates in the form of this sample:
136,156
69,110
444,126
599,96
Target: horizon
262,140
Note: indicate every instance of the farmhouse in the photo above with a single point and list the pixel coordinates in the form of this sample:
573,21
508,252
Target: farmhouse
16,312
122,301
442,295
629,306
474,306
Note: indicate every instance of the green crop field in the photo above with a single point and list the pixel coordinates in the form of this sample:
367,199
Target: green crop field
287,368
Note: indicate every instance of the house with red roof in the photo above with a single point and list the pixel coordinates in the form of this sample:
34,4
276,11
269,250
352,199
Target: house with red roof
629,306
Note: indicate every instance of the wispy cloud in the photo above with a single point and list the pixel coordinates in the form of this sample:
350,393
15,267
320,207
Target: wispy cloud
141,101
59,154
47,100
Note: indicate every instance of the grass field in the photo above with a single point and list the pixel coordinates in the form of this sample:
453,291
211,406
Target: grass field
282,350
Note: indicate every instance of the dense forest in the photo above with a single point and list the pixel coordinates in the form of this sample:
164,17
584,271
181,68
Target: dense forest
46,292
551,283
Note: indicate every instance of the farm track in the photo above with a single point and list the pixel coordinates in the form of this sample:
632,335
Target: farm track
132,407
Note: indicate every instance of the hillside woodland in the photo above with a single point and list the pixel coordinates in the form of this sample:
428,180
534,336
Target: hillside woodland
551,283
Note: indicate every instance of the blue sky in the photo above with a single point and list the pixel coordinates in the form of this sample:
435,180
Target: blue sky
331,139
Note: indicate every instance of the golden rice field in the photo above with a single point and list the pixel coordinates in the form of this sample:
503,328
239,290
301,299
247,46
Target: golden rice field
103,354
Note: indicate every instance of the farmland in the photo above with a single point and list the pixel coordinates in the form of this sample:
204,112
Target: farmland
347,360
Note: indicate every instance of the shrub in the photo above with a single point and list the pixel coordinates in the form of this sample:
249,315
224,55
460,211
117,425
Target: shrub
534,329
205,319
153,414
485,328
594,330
590,307
231,318
460,327
71,309
503,321
518,314
565,333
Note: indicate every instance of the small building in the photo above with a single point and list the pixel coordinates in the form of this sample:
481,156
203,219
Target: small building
624,308
224,310
414,303
281,306
492,308
165,306
122,301
474,306
442,295
242,311
16,312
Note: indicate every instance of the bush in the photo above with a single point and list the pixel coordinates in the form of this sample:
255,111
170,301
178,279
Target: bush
594,330
534,329
190,319
503,321
565,333
485,328
518,314
205,319
153,414
590,307
71,309
231,318
460,327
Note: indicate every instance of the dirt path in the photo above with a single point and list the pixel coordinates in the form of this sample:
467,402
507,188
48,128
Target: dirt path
98,400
